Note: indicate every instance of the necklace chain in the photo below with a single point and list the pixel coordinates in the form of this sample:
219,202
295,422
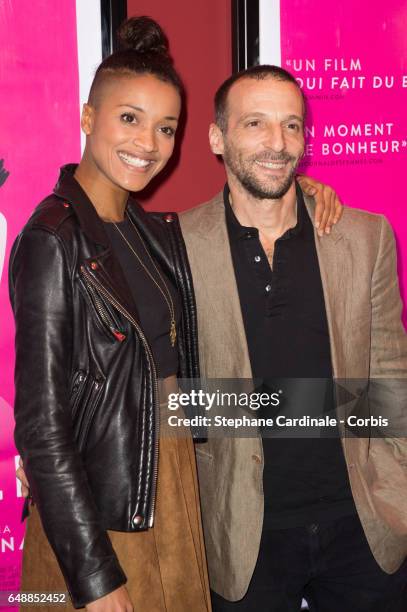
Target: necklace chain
165,292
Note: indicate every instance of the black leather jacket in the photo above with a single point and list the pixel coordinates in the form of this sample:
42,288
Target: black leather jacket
86,385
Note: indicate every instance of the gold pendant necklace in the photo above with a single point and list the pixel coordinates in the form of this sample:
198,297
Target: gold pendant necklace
165,292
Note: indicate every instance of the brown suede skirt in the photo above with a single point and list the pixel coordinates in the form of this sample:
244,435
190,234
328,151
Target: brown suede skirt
165,566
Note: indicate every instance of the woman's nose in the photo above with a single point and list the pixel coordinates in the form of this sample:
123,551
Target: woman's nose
146,138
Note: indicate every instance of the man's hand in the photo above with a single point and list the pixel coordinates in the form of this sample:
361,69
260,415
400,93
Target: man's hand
25,487
117,601
328,208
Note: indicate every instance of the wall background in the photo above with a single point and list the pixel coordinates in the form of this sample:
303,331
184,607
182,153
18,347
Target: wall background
200,43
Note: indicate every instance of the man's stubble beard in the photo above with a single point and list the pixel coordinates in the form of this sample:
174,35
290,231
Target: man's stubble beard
248,179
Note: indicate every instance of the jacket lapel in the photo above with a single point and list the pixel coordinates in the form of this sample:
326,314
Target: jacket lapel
101,263
219,313
336,274
107,271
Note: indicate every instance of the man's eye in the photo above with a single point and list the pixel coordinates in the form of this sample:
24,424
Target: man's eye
168,131
253,123
128,118
293,126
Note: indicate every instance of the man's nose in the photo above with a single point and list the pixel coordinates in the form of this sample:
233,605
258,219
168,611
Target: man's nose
275,139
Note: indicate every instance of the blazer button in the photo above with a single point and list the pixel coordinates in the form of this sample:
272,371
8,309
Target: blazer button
169,218
94,265
256,458
66,204
137,520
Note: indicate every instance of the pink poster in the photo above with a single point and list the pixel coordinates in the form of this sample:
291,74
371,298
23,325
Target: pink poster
350,58
39,118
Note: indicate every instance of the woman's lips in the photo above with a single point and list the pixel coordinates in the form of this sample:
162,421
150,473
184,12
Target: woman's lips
134,161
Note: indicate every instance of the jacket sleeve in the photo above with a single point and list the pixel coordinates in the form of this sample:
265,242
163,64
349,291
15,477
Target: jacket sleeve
388,366
389,339
41,295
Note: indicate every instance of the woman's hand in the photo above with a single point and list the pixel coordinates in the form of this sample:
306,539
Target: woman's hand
25,487
116,601
328,208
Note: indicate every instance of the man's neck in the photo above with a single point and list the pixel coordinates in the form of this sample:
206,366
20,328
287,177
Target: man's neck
272,217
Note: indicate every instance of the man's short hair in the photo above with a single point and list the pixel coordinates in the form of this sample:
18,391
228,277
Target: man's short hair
259,73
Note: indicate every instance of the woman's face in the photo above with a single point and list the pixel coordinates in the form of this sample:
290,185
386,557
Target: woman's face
130,130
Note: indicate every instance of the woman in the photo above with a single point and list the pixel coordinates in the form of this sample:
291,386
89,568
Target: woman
105,321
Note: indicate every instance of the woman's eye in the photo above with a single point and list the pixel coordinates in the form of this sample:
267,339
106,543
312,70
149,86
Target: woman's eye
128,118
168,131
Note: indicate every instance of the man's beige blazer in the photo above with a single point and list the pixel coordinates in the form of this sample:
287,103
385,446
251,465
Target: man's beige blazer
358,269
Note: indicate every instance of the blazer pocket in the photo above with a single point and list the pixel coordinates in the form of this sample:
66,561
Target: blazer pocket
203,456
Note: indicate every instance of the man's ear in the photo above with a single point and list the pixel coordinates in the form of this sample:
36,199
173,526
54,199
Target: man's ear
216,139
87,119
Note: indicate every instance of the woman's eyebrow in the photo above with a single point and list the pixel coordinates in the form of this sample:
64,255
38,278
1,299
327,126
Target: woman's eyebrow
137,108
141,110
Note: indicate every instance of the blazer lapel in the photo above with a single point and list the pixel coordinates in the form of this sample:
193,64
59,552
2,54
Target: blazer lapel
336,274
219,313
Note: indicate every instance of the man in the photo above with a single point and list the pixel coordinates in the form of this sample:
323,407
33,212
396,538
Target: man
321,518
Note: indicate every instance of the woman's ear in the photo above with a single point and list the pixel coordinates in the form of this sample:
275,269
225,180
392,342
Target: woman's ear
87,118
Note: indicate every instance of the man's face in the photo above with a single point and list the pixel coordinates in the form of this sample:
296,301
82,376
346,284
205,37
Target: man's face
264,138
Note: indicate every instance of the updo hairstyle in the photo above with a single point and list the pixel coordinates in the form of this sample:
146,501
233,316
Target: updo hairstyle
143,49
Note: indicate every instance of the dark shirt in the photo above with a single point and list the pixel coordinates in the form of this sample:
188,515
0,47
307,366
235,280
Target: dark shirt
151,306
305,479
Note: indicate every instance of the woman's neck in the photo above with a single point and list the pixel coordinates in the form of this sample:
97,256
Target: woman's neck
109,201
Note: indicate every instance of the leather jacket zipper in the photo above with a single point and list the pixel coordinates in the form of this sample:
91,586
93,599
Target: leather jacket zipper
88,410
106,317
78,388
88,276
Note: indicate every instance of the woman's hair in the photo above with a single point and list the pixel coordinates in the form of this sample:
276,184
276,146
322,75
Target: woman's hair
143,49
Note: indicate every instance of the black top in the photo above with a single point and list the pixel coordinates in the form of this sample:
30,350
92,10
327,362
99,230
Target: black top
152,308
305,479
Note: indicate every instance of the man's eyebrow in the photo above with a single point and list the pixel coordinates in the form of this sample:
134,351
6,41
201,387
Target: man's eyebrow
260,114
296,117
252,114
141,110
